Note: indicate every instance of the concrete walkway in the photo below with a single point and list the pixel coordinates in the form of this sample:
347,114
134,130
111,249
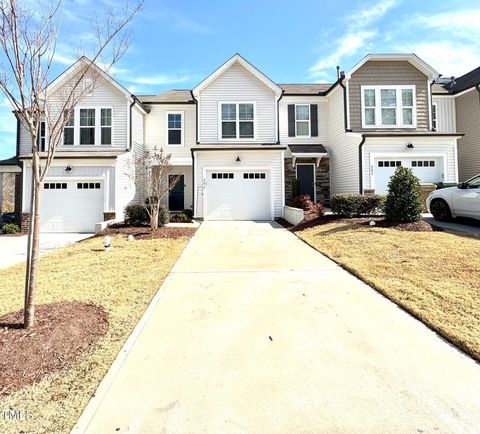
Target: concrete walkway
255,332
464,225
13,250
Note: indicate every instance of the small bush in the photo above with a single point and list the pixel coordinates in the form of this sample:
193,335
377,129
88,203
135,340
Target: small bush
188,213
10,228
316,209
355,205
136,215
163,216
404,200
302,201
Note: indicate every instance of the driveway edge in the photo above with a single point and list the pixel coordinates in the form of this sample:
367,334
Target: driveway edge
91,408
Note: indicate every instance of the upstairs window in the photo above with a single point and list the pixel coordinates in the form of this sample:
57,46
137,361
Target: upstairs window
87,126
237,120
174,128
41,142
388,106
106,126
302,120
434,117
69,130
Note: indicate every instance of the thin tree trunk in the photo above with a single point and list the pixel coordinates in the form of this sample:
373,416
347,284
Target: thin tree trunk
29,244
154,219
30,310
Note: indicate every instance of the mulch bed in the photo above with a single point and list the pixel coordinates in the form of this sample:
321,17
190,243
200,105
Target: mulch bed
145,233
420,226
62,332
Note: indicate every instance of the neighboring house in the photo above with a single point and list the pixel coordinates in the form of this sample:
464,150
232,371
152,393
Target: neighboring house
240,141
459,99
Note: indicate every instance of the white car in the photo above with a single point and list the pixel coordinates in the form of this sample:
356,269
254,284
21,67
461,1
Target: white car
462,200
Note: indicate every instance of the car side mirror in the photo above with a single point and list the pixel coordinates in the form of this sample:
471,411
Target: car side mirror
463,185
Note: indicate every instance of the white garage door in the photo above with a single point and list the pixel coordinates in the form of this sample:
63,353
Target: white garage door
73,206
425,169
238,195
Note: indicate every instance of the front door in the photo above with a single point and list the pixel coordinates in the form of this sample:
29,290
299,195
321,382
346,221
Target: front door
177,193
306,179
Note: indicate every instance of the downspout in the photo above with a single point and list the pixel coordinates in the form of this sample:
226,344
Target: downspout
196,118
477,86
278,117
193,182
340,82
360,163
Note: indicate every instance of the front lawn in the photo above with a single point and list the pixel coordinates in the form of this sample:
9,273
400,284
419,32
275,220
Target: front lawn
433,275
120,282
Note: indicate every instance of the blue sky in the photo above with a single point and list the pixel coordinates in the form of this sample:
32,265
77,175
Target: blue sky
175,44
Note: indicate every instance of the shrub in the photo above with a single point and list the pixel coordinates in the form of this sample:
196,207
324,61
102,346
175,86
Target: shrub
188,213
10,228
354,205
316,209
302,201
136,215
163,216
404,201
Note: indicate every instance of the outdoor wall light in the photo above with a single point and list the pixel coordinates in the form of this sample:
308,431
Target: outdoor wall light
410,145
68,168
238,160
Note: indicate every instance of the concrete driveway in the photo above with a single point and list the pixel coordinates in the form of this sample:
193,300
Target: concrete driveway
255,332
13,249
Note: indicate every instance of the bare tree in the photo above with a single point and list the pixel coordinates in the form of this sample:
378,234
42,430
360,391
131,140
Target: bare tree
152,174
28,41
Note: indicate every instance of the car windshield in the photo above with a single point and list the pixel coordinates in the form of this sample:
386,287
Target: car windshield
474,182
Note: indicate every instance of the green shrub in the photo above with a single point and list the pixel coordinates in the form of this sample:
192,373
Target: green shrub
136,215
10,228
188,213
163,216
404,200
354,205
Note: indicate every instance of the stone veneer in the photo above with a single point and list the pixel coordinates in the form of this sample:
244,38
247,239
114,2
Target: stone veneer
322,175
24,221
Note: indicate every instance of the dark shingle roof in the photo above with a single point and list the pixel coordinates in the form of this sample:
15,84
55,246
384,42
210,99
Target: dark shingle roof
305,89
12,161
307,149
171,96
460,84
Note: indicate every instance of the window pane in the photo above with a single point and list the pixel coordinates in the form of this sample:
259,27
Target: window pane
407,116
369,96
174,137
245,112
302,129
106,117
369,116
87,136
229,130
302,112
68,136
229,112
71,121
246,130
87,117
389,97
174,120
106,136
407,97
389,117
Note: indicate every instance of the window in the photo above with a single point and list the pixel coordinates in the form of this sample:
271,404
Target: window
88,185
423,163
69,130
434,117
222,175
237,120
55,186
302,120
254,176
41,137
87,126
389,163
106,126
388,106
174,128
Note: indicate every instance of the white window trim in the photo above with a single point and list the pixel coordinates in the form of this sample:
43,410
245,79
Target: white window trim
237,139
182,128
309,121
98,134
436,115
399,106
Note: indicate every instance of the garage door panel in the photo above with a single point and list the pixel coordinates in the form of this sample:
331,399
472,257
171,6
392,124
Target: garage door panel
72,206
238,195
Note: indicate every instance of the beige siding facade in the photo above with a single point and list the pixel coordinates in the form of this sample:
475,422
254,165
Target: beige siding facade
468,122
391,73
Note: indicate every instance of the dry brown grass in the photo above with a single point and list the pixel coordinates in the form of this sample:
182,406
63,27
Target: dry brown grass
122,281
433,275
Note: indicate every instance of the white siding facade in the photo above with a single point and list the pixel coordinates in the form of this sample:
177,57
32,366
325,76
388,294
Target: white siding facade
445,114
237,85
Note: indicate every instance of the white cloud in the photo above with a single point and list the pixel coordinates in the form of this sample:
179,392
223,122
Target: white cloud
158,79
462,23
359,32
63,59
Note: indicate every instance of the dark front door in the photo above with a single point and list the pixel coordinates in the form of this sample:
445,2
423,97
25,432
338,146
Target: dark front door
305,176
177,193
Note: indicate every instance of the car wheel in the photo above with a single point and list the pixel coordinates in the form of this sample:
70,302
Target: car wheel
440,210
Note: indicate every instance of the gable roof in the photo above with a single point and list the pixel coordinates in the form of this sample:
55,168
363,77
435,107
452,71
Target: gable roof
388,57
305,89
181,96
464,82
236,58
